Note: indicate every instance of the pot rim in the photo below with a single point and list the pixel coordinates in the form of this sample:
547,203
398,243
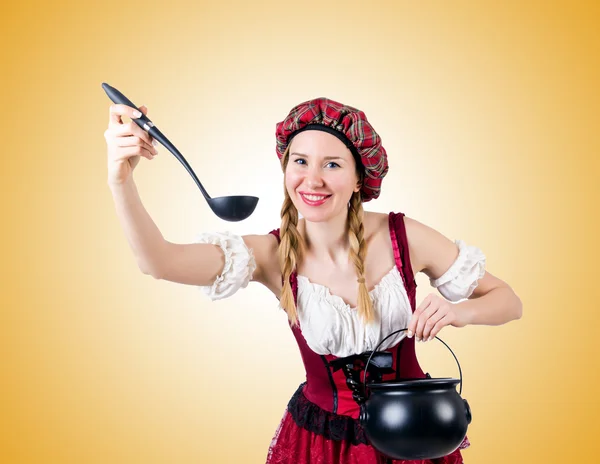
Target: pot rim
408,384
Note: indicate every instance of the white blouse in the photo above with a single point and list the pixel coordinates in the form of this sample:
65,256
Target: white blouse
329,325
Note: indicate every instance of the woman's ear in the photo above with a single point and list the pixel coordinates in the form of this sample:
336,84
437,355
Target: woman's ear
359,181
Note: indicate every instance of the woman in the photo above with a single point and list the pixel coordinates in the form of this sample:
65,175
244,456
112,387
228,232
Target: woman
340,300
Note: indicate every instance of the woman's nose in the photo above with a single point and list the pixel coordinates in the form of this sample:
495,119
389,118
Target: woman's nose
314,179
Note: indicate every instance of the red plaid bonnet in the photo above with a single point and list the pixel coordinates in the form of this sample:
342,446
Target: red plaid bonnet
348,124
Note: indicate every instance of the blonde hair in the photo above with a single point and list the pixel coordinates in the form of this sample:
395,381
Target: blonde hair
292,248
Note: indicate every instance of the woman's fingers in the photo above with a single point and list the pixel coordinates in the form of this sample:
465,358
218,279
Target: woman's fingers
136,141
412,326
429,318
425,323
131,128
443,322
118,110
432,324
117,128
127,140
135,150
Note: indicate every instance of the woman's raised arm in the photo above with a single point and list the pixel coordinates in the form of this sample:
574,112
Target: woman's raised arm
224,260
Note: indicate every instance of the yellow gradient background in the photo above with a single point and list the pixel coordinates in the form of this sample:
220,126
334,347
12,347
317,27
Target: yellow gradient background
489,114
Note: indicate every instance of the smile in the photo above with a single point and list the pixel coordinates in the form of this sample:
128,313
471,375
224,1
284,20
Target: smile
314,200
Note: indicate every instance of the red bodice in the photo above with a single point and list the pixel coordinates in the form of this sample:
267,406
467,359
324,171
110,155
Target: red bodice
327,388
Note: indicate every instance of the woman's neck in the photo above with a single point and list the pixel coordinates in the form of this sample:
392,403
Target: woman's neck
327,241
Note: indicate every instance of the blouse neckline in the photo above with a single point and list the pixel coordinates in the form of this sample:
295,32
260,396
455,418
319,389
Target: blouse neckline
338,299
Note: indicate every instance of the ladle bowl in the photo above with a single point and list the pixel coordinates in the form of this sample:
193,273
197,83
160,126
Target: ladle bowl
229,208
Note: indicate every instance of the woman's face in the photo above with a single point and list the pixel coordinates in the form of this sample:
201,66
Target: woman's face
321,165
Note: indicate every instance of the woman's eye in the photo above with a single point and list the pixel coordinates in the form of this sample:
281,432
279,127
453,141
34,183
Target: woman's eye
297,161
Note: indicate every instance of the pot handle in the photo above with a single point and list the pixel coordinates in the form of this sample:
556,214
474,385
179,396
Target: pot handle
401,330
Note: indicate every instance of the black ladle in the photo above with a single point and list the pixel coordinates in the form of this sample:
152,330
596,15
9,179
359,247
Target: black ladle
230,208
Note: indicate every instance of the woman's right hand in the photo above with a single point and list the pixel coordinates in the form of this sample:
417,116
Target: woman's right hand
126,143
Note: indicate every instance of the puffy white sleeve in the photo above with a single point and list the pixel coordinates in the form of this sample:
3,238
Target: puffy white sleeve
460,280
239,264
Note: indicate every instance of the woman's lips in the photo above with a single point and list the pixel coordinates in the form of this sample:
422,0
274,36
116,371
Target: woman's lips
314,202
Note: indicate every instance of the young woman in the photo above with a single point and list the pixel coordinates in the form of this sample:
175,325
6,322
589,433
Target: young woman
340,300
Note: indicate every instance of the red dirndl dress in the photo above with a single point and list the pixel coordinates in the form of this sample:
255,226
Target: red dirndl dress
320,424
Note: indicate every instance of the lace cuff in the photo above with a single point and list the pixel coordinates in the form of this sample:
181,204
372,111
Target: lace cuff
460,280
239,264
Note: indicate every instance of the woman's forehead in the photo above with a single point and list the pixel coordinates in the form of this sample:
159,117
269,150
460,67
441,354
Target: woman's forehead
319,144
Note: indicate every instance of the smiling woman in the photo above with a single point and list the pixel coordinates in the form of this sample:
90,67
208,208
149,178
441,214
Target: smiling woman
340,300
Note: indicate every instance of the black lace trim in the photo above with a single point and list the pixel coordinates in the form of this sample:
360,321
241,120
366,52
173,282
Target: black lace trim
332,426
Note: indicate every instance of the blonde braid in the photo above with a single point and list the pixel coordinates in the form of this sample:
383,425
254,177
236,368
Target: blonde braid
358,252
291,248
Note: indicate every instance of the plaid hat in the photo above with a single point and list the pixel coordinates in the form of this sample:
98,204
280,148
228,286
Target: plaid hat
348,124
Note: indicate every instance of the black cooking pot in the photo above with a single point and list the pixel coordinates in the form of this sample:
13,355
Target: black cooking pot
414,418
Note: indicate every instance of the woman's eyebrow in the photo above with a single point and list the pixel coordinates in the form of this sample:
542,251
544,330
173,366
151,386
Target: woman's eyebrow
325,158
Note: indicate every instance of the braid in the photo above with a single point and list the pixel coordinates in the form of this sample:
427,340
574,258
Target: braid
358,252
291,248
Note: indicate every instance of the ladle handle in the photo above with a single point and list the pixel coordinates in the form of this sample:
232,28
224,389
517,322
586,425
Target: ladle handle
401,330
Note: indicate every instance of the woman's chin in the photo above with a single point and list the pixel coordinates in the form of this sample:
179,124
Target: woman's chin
312,214
316,214
315,217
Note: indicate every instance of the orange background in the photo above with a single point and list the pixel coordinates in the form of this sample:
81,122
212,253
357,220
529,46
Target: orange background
489,114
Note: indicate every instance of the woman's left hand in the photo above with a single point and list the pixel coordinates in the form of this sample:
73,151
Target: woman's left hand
433,314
